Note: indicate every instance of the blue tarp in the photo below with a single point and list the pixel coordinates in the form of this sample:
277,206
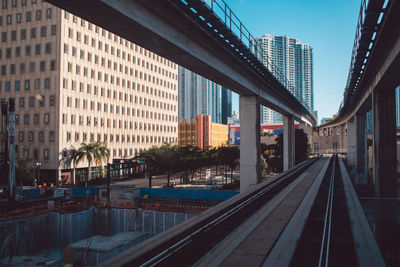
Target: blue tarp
219,195
85,191
31,193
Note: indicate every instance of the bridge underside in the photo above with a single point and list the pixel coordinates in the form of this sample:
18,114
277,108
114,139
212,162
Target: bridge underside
165,28
373,156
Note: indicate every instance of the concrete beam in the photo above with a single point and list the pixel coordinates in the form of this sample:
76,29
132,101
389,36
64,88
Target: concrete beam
351,143
361,149
249,142
384,142
288,142
162,28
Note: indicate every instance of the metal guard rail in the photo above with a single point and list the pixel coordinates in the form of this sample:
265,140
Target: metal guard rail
221,10
372,14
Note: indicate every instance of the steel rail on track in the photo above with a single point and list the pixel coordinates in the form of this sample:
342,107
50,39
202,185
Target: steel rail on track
202,230
326,236
284,249
221,219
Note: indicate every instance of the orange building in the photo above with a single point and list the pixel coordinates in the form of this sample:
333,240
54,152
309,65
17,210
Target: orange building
202,132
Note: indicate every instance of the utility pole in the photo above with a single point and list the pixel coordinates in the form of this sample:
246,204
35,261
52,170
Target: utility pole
108,211
108,184
11,130
4,128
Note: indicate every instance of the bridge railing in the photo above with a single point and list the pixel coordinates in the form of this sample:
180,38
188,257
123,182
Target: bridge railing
224,12
372,13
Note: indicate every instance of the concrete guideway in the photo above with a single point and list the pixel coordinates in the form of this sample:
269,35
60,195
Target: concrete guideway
208,227
252,241
373,79
174,31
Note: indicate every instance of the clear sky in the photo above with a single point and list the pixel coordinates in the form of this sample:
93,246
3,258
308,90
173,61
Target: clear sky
328,26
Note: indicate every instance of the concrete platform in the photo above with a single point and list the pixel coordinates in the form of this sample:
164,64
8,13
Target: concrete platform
102,247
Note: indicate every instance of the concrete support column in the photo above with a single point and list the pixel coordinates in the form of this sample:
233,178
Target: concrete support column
384,142
288,142
361,149
351,143
249,142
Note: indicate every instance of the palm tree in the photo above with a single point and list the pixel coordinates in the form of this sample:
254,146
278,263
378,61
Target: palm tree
93,152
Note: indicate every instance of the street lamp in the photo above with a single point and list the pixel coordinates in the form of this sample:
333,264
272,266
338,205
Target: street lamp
38,165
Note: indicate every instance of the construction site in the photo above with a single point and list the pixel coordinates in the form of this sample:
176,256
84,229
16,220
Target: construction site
84,227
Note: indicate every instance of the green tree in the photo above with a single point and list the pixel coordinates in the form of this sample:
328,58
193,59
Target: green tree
229,156
302,149
93,152
150,158
24,172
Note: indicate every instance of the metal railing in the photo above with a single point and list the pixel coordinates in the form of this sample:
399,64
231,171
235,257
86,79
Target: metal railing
371,15
237,28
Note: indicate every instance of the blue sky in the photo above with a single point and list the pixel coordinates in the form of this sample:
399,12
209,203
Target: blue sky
328,26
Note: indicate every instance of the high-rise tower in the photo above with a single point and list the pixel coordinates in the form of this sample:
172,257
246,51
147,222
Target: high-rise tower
295,60
200,96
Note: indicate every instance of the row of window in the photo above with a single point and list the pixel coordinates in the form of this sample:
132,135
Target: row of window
137,100
106,107
128,83
14,3
32,67
35,156
35,119
28,16
37,50
96,59
130,58
117,39
25,84
114,123
108,78
40,99
30,137
117,138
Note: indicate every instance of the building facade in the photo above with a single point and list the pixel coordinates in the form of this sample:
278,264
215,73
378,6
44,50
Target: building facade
295,60
200,96
201,132
226,111
75,82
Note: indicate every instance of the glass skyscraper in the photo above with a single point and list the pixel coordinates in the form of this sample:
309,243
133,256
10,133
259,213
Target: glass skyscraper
200,96
295,60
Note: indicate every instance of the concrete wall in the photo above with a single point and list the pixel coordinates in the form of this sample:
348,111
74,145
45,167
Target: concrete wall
28,234
58,230
65,228
149,221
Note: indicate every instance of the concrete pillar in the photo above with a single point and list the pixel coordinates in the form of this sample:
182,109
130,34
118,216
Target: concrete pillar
249,142
361,149
351,143
288,142
384,142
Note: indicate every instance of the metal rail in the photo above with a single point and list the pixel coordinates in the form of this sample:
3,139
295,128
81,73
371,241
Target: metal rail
238,38
336,231
372,14
206,233
326,237
285,247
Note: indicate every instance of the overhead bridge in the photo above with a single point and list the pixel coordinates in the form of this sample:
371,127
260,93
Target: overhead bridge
307,216
211,41
369,100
